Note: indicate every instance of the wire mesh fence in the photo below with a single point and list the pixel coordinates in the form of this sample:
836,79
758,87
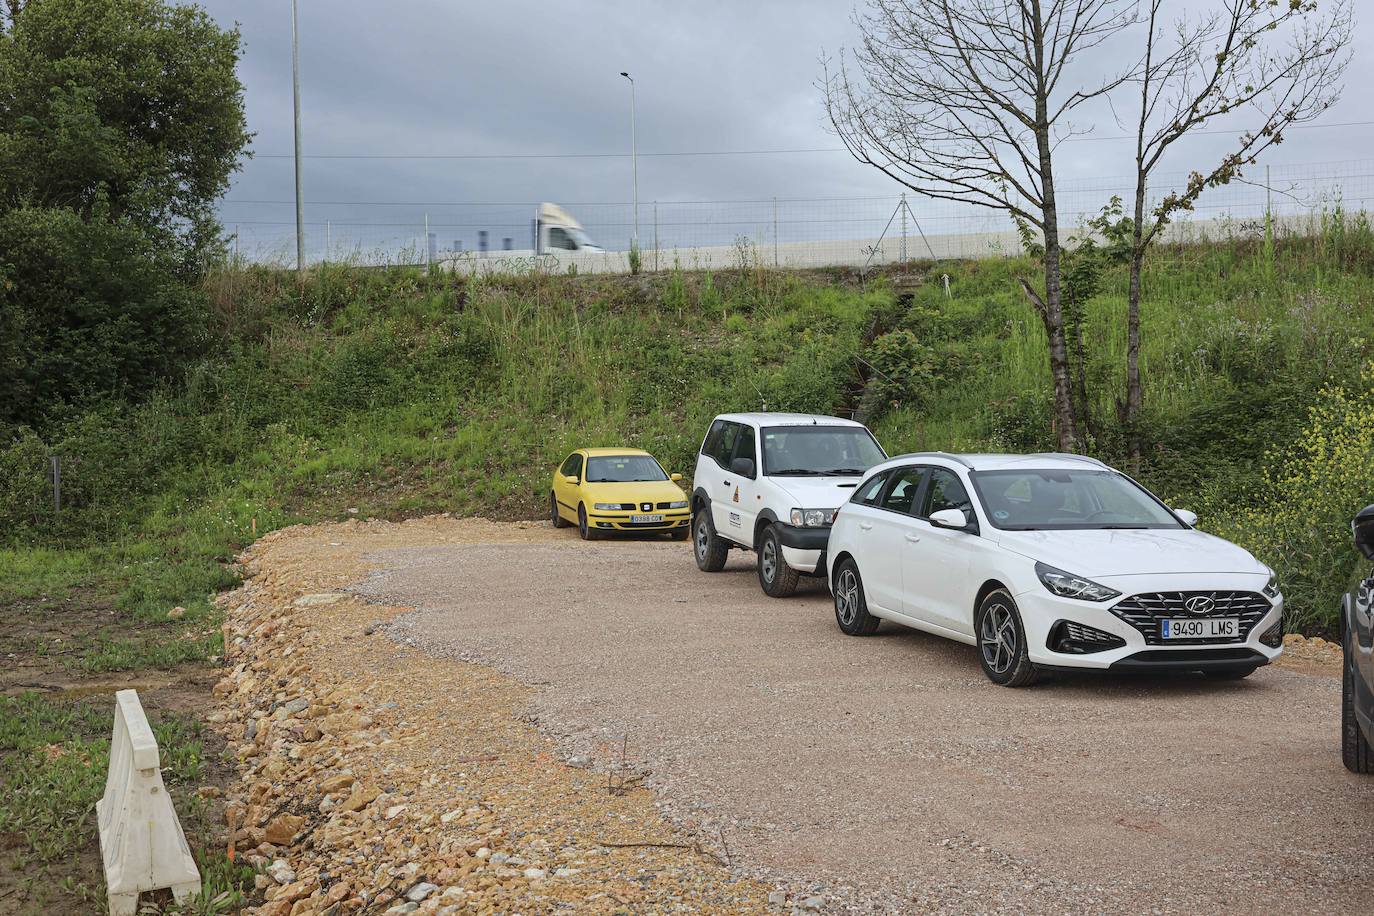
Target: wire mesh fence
781,231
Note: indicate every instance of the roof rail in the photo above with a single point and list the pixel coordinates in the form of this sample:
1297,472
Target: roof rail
1072,457
956,458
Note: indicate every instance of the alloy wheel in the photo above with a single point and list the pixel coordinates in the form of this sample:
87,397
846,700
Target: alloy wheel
768,560
997,638
847,596
703,538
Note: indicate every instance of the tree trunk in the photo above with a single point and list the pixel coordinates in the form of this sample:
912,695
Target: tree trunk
1065,419
1134,393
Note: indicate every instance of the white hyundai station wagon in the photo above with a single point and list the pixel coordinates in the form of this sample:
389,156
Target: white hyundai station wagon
1045,562
770,482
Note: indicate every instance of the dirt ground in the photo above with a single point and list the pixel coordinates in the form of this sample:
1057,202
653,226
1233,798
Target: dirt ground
867,775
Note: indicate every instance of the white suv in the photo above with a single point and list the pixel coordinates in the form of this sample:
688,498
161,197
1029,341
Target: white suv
770,482
1048,561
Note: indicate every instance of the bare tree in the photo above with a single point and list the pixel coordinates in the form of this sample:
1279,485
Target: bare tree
1275,63
965,100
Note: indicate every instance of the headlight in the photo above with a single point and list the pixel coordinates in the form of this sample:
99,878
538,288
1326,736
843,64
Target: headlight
1067,585
608,507
1271,588
812,518
680,504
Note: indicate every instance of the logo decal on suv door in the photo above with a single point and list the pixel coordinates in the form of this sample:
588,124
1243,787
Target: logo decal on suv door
1199,604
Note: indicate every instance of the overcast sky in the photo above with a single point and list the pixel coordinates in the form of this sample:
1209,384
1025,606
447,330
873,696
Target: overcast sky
516,77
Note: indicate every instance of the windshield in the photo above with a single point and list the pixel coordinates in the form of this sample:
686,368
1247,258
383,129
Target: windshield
623,469
1060,500
583,240
818,451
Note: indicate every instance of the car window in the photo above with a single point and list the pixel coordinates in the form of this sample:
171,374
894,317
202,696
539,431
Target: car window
867,494
819,450
711,444
725,446
745,447
900,495
560,239
946,492
569,466
623,469
1068,499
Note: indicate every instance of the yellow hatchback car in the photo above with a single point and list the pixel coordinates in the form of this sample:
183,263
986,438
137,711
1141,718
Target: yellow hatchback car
617,489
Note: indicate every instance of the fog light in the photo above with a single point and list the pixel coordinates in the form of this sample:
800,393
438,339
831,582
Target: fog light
1073,638
1273,637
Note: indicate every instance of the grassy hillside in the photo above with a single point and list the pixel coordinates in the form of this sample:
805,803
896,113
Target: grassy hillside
389,393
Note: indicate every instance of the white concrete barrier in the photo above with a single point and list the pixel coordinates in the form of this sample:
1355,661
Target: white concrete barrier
141,839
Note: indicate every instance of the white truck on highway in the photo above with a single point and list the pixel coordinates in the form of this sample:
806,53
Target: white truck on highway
556,231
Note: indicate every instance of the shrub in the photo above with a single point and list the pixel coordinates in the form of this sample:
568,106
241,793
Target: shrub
1300,522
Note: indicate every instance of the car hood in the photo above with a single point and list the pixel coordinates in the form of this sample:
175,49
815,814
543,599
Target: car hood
635,491
1098,554
816,492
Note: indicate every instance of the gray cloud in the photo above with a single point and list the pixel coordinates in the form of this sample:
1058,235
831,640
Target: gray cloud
432,78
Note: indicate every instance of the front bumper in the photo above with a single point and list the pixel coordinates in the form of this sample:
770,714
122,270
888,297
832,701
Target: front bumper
804,548
621,521
1044,616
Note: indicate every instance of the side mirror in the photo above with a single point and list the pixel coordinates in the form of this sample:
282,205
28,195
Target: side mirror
949,518
1363,529
743,467
572,479
1186,517
675,478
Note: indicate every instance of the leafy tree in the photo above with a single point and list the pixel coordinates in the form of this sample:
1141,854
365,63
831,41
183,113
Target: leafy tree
966,100
1278,63
121,122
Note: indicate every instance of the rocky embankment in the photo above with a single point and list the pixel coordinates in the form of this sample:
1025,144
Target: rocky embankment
377,779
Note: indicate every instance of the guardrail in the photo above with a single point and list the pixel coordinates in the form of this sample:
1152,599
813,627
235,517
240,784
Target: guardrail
141,839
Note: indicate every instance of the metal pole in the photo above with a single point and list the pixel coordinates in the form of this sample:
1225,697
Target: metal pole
655,235
427,264
903,227
296,102
328,239
775,231
57,483
634,155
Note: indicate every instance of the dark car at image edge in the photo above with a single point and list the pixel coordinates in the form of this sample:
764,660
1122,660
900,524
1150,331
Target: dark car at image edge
1357,649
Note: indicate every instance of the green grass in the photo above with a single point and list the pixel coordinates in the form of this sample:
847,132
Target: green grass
54,753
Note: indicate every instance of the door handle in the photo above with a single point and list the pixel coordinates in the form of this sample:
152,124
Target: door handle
865,526
913,538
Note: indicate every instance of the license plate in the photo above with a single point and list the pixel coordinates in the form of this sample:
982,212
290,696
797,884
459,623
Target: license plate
1204,628
643,519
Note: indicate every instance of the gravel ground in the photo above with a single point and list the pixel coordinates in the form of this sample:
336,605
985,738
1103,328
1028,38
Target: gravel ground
887,773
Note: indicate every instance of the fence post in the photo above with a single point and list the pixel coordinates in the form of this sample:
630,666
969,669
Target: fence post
655,236
903,227
57,483
775,230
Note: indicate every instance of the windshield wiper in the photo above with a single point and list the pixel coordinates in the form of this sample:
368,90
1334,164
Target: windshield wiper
1122,527
796,472
844,472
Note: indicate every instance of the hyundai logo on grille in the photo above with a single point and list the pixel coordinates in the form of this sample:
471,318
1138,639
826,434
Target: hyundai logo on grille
1199,604
646,506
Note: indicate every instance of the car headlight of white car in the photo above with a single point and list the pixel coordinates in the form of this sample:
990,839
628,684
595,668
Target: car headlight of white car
812,518
1067,585
1271,588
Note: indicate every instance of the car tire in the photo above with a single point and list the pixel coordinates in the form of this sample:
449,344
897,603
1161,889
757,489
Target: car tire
1001,641
554,516
851,607
587,532
1356,753
777,579
709,548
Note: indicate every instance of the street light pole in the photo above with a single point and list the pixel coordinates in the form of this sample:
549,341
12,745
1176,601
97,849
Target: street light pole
634,155
296,103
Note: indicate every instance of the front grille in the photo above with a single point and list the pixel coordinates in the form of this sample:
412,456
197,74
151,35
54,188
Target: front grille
1144,612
